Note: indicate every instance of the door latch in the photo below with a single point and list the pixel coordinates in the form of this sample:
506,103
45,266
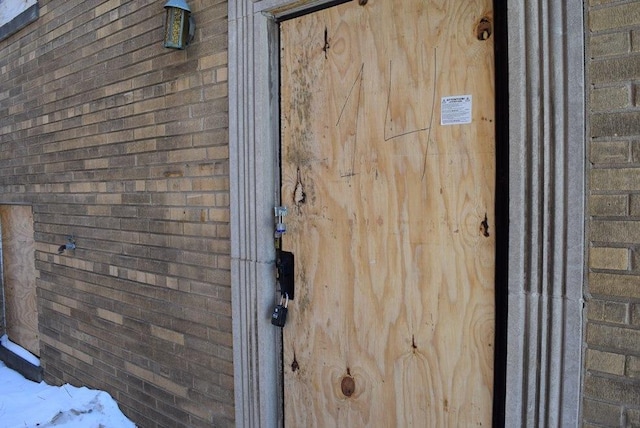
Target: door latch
281,228
285,271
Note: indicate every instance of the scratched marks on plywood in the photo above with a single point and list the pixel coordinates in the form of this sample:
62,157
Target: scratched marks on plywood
20,276
392,229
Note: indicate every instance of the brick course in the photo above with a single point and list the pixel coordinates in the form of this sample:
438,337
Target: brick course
611,394
123,143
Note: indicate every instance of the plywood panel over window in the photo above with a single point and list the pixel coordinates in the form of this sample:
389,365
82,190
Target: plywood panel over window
19,276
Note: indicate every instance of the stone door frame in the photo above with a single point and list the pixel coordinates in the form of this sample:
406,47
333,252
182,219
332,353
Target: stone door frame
546,134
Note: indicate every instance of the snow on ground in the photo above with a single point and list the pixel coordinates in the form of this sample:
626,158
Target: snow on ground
27,404
19,351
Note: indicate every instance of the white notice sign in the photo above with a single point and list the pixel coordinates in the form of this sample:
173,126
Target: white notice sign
455,110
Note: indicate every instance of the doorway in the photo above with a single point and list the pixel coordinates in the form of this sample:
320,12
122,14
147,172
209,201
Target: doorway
388,170
540,97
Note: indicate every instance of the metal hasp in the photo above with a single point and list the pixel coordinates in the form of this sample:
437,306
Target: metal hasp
285,266
281,228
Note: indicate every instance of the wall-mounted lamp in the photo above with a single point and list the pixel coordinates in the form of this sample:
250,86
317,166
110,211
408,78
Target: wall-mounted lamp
180,26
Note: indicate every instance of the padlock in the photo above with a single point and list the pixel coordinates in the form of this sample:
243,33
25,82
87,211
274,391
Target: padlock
279,316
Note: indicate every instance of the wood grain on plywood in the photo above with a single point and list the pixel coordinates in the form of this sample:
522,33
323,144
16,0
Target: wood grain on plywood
391,217
19,276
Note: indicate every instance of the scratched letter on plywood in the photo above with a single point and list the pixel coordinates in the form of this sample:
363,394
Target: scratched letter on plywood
20,276
391,214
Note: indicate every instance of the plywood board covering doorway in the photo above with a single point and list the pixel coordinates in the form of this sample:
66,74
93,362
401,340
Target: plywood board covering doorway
19,276
391,214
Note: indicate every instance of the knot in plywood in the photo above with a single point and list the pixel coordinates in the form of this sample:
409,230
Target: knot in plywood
484,29
348,386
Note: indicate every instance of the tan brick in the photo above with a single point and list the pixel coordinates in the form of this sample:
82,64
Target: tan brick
612,390
139,120
141,146
606,152
635,40
168,335
633,418
635,145
610,284
149,132
109,199
216,91
619,179
61,308
173,387
605,362
213,61
616,16
608,311
595,310
617,69
610,98
202,200
601,45
210,184
609,205
149,105
187,155
635,314
106,7
609,258
96,163
218,152
113,270
110,316
153,378
222,75
69,350
599,412
633,367
622,232
217,214
615,124
118,88
634,208
616,339
616,312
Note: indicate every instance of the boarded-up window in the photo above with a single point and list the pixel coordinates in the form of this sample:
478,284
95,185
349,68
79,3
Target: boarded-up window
19,279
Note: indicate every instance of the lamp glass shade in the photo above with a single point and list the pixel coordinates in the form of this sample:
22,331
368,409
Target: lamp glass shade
176,28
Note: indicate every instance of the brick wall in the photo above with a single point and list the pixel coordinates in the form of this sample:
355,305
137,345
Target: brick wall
123,144
612,360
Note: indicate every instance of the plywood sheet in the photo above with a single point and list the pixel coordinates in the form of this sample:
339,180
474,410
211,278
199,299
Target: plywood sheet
391,214
20,276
